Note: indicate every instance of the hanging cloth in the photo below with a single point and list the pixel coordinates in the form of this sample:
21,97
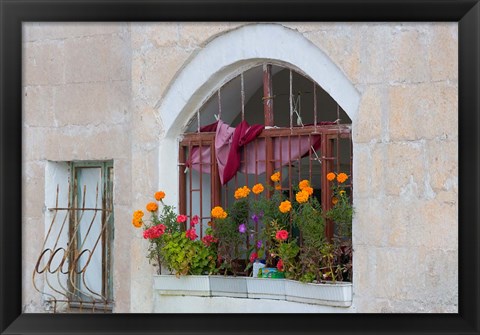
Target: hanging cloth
230,143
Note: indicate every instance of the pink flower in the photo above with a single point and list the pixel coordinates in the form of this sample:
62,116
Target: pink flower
280,265
194,221
209,239
281,235
253,257
242,228
154,232
191,234
181,218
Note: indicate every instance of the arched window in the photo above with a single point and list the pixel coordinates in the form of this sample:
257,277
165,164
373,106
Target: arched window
268,119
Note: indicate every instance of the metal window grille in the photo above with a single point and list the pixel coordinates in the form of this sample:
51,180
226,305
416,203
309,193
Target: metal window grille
329,149
76,258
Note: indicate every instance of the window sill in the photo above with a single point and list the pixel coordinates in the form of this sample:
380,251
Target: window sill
337,294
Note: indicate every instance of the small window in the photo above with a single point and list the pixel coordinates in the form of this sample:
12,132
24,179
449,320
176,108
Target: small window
75,262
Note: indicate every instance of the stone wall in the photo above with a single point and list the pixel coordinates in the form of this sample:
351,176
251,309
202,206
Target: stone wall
92,91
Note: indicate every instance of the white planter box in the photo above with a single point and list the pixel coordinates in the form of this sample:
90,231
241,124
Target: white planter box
184,285
332,294
221,286
266,288
337,294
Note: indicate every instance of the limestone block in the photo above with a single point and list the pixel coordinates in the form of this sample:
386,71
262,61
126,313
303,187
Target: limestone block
404,169
406,56
145,168
192,34
141,287
154,35
423,111
43,63
364,264
33,143
33,31
145,128
361,171
442,162
92,103
437,225
395,272
374,52
97,58
124,235
122,186
158,68
119,57
441,277
442,53
342,46
404,104
368,223
33,231
78,143
38,102
33,190
369,118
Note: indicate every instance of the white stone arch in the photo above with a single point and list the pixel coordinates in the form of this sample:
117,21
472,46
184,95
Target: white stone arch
231,53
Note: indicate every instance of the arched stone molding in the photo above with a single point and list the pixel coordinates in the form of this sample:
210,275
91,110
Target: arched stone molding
229,54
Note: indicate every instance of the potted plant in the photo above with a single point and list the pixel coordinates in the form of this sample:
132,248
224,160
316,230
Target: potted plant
178,251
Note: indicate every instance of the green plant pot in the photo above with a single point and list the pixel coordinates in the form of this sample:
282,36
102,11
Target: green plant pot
271,273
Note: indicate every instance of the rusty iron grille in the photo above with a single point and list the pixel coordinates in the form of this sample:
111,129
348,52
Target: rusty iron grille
299,152
308,152
73,270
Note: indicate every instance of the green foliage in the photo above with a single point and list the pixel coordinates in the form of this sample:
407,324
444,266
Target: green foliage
186,257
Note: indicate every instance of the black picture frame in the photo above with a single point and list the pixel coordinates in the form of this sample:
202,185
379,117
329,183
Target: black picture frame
13,13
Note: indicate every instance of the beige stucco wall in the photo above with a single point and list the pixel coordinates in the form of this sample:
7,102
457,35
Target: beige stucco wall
91,91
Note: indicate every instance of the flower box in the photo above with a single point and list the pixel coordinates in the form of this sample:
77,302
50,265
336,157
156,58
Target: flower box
337,294
222,286
266,288
332,294
184,285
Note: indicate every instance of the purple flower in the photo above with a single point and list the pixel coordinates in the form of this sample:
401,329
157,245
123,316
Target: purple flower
259,244
242,228
255,218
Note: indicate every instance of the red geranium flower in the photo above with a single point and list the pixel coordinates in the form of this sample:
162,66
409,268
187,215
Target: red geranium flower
194,221
280,265
154,232
253,257
209,239
281,235
191,234
181,218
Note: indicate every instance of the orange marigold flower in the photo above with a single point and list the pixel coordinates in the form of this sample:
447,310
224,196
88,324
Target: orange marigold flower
257,188
278,187
342,192
159,195
218,213
334,200
342,177
285,206
138,214
330,176
242,192
152,207
137,223
309,190
301,197
303,184
275,177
